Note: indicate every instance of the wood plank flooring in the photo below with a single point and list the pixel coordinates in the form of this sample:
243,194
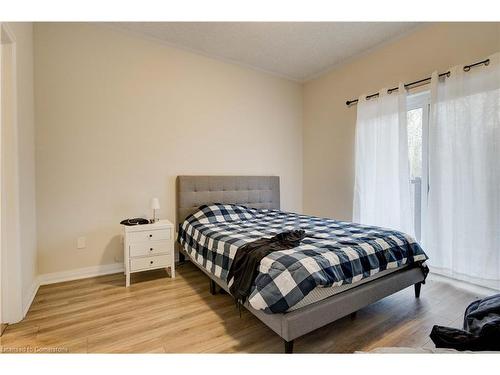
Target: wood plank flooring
160,315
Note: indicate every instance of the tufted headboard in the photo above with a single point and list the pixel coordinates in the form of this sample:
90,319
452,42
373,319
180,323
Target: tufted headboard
250,191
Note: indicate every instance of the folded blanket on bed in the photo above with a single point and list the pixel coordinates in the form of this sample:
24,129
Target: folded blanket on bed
246,262
333,253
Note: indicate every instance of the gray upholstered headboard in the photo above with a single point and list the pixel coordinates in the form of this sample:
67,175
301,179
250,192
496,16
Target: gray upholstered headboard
250,191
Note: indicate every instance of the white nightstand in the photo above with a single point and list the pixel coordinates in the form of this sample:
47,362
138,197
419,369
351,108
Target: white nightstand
149,247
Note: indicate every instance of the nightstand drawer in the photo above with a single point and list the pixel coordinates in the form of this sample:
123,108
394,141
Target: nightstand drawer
138,264
150,235
151,248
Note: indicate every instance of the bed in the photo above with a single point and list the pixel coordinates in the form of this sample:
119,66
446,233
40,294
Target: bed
224,212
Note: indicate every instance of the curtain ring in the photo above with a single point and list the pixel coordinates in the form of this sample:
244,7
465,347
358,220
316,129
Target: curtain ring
448,74
466,68
487,62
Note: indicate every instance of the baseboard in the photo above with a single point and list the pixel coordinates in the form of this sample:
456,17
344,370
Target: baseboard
30,296
473,288
80,273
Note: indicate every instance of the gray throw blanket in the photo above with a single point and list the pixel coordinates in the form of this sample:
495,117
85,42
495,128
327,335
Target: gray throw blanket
247,259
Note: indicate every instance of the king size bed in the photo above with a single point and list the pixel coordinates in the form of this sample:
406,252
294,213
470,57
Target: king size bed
338,268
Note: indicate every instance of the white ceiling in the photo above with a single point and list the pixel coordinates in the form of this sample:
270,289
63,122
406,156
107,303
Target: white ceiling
295,50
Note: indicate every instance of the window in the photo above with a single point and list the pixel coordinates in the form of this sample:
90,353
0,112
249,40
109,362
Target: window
417,117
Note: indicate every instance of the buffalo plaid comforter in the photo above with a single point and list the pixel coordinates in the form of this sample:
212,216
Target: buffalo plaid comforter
333,252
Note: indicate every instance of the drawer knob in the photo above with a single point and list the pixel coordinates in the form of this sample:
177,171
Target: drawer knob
151,262
150,235
150,249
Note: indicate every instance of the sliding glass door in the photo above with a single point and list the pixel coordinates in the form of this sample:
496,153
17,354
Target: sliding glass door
417,116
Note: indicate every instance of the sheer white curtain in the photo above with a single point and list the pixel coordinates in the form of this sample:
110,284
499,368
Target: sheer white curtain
461,221
382,185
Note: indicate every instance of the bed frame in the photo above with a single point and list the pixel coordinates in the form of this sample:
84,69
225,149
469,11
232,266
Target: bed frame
264,192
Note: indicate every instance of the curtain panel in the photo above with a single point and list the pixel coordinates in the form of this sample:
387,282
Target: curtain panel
461,216
382,184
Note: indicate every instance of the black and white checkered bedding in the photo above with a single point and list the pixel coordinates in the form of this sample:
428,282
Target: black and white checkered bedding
333,252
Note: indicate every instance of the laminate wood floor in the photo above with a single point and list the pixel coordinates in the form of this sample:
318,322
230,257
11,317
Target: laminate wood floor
162,315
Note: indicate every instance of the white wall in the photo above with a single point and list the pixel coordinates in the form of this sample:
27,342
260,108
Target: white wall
119,117
26,149
11,263
19,217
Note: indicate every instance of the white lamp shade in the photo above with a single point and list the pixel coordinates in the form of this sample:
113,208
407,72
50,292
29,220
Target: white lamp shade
155,204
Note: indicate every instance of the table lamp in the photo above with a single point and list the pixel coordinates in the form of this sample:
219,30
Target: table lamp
155,205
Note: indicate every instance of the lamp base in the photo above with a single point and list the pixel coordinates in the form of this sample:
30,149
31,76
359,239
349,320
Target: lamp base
154,219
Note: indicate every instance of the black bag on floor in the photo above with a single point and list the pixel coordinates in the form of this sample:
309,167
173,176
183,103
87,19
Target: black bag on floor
481,330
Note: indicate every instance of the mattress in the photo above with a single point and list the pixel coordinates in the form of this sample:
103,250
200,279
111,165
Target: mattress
320,293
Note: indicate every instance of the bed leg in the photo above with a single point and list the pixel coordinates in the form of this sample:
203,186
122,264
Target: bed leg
353,315
288,346
418,286
213,287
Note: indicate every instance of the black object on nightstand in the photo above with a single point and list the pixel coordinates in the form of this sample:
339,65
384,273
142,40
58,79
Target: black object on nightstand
135,221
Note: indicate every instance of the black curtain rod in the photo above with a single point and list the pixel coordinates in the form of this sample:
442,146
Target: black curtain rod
420,81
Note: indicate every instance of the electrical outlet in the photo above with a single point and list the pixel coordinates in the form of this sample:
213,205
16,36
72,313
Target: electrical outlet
81,243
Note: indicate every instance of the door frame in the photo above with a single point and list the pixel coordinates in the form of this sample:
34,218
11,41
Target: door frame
11,310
